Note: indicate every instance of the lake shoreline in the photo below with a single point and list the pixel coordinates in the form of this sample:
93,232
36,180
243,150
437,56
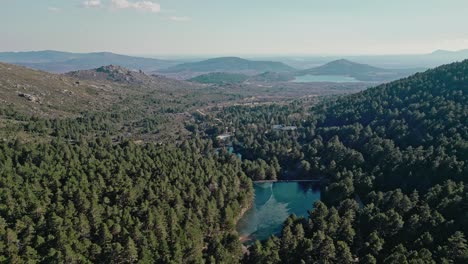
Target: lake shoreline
243,211
244,239
273,203
320,78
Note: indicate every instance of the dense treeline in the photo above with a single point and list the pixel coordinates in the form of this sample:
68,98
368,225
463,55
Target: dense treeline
263,148
394,160
100,202
117,123
385,148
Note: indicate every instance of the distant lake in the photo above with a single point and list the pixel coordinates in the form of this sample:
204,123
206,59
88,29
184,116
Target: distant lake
273,204
324,78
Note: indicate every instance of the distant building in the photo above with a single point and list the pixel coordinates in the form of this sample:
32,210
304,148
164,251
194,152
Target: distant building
224,136
277,127
289,128
284,128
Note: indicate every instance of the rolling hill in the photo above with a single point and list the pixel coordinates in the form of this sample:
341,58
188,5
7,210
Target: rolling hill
45,94
230,65
220,78
57,95
361,72
342,67
116,75
112,73
133,104
60,62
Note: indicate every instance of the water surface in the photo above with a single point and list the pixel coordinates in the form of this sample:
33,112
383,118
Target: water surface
325,78
273,204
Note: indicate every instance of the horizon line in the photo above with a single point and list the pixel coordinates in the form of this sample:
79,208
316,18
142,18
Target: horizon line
237,54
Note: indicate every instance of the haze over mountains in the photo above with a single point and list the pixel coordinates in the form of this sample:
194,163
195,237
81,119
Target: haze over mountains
60,62
346,68
254,70
405,61
56,61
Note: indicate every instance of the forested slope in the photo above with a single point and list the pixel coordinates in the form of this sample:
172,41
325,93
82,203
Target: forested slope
396,161
414,130
105,203
95,187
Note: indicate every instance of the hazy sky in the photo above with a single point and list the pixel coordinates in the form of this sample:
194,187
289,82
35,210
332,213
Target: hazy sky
235,27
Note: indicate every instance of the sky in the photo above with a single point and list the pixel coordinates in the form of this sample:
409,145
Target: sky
235,27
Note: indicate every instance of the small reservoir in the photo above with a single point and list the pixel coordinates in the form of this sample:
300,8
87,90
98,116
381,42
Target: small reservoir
273,203
325,78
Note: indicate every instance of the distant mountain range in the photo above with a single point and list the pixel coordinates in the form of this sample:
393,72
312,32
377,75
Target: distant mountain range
405,61
361,72
342,67
448,53
385,68
61,62
213,70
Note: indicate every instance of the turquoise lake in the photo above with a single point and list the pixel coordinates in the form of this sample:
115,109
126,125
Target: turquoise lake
273,204
324,78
